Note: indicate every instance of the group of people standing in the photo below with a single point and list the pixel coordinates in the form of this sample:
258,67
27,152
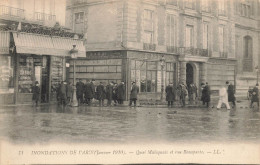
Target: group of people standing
112,92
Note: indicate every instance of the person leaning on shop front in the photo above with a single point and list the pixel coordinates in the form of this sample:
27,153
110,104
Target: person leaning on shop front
133,94
109,93
170,94
80,91
121,93
36,93
101,93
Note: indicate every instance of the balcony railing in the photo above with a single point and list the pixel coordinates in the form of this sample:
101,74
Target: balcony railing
194,51
172,49
44,17
148,46
223,54
11,12
205,9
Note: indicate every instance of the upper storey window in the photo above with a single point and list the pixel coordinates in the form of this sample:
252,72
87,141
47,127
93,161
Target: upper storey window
244,8
222,7
148,26
172,2
190,4
79,22
205,5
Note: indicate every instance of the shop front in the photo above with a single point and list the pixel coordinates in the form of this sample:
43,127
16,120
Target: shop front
39,58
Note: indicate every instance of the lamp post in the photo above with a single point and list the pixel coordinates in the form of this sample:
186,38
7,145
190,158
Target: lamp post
162,62
257,70
74,54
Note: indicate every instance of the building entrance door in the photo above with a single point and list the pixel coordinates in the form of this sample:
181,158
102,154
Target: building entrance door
189,74
45,77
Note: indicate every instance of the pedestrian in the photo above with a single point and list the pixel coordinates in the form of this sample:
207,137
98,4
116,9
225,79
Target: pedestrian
205,94
121,93
63,93
109,93
195,92
115,91
36,93
90,91
58,95
255,96
133,94
231,93
190,93
101,94
170,94
69,93
223,98
183,94
80,91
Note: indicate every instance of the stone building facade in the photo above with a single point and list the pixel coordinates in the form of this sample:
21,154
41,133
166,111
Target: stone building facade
196,40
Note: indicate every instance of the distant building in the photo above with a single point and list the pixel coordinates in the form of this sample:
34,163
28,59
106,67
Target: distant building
201,41
34,46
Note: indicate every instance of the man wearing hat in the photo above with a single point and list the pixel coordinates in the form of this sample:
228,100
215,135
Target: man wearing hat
133,94
109,93
121,92
36,93
89,91
255,96
231,93
80,91
101,94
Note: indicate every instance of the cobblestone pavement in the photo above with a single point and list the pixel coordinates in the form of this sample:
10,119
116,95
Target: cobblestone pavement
51,123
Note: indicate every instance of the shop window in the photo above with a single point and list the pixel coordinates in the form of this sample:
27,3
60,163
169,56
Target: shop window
169,73
56,73
26,74
6,74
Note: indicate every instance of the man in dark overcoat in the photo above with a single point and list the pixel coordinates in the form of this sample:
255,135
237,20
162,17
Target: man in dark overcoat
255,96
101,94
205,96
231,93
90,91
69,92
80,91
109,93
133,94
63,93
121,93
36,93
170,94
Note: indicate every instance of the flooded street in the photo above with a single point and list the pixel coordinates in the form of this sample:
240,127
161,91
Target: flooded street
48,123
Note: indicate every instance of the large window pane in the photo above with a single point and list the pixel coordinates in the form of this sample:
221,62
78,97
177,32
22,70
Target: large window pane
6,72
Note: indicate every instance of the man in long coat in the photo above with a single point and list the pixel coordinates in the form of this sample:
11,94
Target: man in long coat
109,93
80,91
63,93
101,94
231,93
121,92
255,96
170,94
69,92
133,94
115,91
90,91
205,96
36,93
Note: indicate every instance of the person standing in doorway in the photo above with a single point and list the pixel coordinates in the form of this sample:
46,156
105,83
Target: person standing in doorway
121,93
170,94
80,91
223,98
231,93
109,93
101,94
133,94
255,96
36,93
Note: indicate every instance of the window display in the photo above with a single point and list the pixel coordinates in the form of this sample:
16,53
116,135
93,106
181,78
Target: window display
6,75
26,74
56,73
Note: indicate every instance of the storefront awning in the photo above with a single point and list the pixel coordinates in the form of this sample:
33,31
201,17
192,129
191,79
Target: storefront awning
5,41
28,43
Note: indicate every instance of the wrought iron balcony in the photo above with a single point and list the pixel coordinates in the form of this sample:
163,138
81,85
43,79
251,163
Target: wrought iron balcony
206,9
44,17
11,12
223,54
147,46
194,51
172,49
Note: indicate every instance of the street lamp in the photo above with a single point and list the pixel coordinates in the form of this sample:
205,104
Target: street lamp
74,54
257,70
162,62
